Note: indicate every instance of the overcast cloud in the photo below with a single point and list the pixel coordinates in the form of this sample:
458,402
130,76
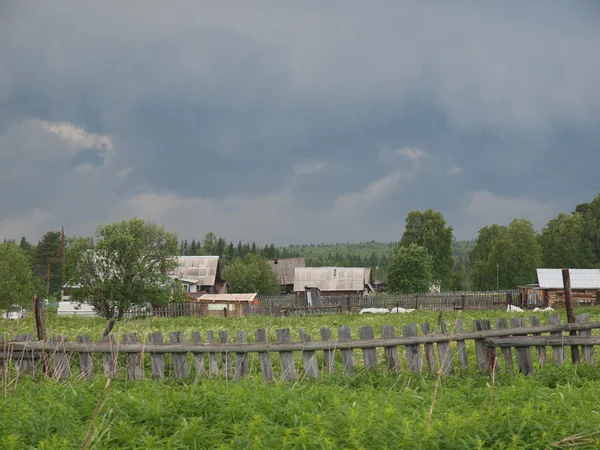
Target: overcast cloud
295,122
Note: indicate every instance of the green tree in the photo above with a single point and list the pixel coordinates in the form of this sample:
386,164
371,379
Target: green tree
591,222
565,244
251,274
411,270
429,230
48,259
479,257
16,279
129,266
210,243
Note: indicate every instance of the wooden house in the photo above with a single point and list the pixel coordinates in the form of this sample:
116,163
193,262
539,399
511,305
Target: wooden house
549,290
226,305
200,275
333,281
284,271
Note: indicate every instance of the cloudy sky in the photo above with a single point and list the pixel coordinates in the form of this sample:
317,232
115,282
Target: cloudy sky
295,122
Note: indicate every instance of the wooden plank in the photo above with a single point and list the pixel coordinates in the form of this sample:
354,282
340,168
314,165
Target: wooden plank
288,369
198,357
390,352
264,358
429,350
369,354
546,341
540,350
226,356
413,352
110,360
329,353
24,363
4,348
309,358
181,367
345,335
524,358
157,360
213,363
558,353
86,363
133,361
461,346
506,351
570,311
481,350
61,361
586,350
241,358
444,351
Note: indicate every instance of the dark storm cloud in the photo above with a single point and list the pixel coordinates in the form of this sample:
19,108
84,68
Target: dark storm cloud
344,113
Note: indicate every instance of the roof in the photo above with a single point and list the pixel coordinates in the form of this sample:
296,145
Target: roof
580,278
200,270
284,268
329,278
228,297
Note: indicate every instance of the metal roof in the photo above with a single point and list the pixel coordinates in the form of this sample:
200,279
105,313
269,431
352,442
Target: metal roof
580,278
224,298
284,268
329,278
201,270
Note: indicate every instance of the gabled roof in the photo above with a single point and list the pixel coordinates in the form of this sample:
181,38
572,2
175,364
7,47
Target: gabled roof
580,278
223,298
329,278
284,268
200,270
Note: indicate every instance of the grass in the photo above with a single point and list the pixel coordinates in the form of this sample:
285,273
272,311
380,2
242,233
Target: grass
556,408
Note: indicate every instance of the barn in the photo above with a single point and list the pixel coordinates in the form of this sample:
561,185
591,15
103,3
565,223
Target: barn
333,281
549,290
200,275
284,271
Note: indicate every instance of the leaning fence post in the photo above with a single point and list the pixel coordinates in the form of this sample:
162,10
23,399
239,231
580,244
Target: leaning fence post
180,363
587,350
241,359
524,358
266,366
61,360
288,370
309,357
390,352
134,360
329,355
226,355
345,335
86,364
413,352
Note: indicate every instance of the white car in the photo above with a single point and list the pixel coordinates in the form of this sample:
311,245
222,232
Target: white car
14,312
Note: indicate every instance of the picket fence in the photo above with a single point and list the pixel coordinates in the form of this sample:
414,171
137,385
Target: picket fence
56,357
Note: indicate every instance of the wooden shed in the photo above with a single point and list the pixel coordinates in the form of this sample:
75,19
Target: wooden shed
284,271
200,274
333,281
226,305
549,290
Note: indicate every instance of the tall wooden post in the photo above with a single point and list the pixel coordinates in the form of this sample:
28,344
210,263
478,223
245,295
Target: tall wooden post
39,317
570,311
64,262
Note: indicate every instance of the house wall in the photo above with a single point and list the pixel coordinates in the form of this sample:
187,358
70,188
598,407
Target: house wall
556,297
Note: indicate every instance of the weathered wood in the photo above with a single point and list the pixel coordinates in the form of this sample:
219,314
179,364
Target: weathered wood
288,368
558,353
369,354
110,360
444,351
483,363
157,360
4,349
547,341
241,358
39,317
198,357
133,361
213,363
309,358
329,352
586,350
542,355
524,358
24,363
226,356
506,351
429,350
414,356
390,352
461,346
180,362
345,335
570,311
86,363
61,361
264,358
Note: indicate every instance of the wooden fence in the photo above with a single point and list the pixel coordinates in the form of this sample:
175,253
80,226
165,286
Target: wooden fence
233,360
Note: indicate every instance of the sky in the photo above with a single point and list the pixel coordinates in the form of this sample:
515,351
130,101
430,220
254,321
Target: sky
291,122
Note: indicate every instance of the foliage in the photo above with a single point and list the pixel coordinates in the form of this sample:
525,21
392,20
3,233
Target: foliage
48,255
591,223
564,243
410,270
16,280
505,257
128,266
251,274
429,230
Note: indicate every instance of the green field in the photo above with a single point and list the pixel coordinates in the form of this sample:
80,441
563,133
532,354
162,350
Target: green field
556,408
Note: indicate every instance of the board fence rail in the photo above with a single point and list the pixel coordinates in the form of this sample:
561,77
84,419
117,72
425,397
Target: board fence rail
228,355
